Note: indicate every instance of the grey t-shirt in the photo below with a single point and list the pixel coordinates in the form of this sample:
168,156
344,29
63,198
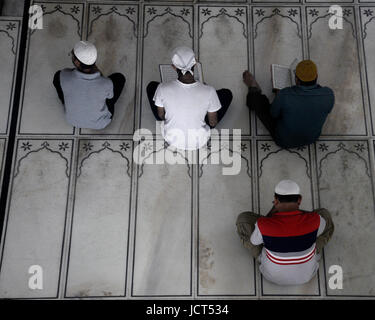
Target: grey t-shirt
85,98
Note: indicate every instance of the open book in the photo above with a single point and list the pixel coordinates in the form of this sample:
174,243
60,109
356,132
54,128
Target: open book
167,73
283,76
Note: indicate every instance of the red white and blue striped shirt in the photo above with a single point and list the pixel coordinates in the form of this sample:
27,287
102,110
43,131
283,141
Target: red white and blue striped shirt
289,255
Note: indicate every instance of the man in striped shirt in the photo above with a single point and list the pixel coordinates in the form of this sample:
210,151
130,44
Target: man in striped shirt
288,241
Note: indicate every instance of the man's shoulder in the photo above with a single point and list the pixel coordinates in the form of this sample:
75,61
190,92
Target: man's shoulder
168,84
106,80
286,91
325,90
66,72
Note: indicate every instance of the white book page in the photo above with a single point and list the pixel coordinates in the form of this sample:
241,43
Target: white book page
167,73
281,76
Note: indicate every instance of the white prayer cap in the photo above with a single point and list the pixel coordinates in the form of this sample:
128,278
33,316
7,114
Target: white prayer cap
85,52
287,187
183,58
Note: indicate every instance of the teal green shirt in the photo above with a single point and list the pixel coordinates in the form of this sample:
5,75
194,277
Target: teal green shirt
301,112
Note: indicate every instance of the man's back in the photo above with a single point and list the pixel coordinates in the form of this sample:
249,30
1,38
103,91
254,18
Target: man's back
288,256
85,98
186,106
301,112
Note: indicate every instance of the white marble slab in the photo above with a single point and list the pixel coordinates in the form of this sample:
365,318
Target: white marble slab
9,35
345,189
36,217
163,234
99,240
368,36
114,30
12,8
224,54
277,39
225,266
164,28
275,164
338,68
48,49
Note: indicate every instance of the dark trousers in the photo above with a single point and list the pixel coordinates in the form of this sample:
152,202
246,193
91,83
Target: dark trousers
225,97
118,80
260,104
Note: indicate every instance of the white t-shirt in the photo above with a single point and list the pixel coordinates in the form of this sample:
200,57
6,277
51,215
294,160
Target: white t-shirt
186,106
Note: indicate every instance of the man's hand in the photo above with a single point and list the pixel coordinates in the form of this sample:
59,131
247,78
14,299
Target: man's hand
212,119
161,113
249,80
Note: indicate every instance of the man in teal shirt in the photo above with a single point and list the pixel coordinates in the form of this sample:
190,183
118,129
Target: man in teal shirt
296,116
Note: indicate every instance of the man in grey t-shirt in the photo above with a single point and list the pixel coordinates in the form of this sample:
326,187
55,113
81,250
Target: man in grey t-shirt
88,97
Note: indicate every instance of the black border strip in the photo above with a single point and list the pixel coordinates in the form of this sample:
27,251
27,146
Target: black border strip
7,168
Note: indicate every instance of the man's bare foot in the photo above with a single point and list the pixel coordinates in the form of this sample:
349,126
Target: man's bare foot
249,80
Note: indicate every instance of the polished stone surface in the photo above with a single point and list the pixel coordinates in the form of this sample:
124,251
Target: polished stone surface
163,233
9,38
36,216
339,68
350,197
102,225
220,273
100,219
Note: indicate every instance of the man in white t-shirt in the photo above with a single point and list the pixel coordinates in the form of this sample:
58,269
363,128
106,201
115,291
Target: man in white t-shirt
187,107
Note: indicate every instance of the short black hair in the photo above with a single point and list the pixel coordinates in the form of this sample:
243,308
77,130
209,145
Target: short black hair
308,83
288,198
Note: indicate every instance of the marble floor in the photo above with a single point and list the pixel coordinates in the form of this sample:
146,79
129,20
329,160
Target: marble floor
102,226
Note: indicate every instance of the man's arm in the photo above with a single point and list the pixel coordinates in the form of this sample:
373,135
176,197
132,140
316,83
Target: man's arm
161,113
57,84
212,119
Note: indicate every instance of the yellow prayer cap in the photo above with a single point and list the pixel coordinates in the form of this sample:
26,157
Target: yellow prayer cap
306,71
